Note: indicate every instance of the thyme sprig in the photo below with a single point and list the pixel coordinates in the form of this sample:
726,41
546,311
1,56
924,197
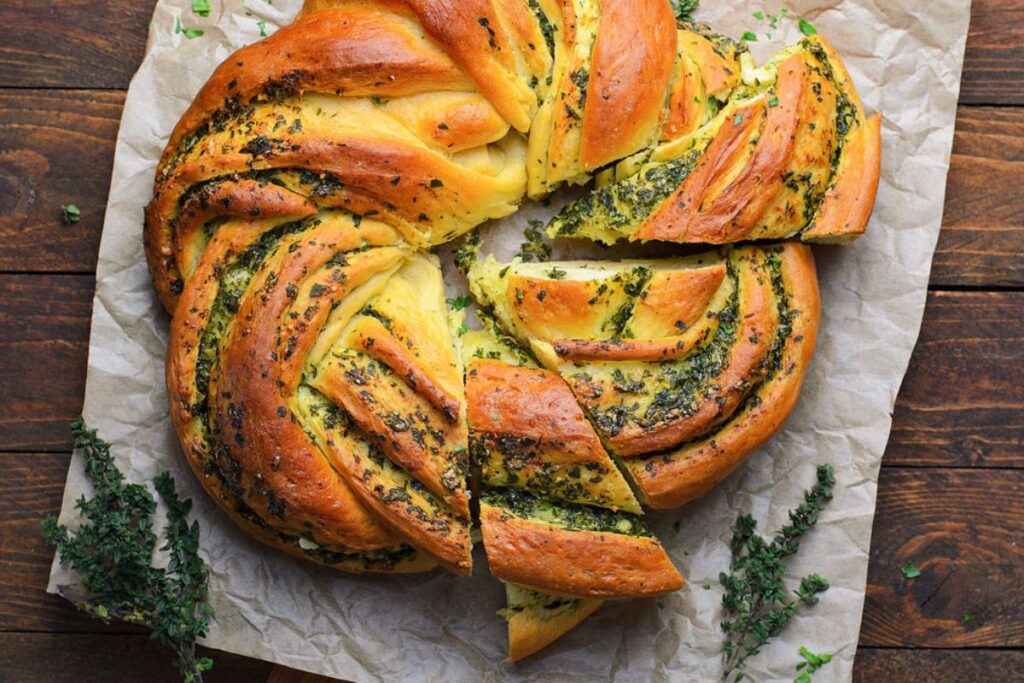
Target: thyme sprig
113,554
756,599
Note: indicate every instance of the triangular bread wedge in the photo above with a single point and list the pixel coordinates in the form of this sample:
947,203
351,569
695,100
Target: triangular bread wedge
535,620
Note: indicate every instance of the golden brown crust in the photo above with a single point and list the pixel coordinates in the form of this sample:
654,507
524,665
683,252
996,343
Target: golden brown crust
846,210
630,71
532,432
756,331
582,564
357,49
697,212
527,402
680,476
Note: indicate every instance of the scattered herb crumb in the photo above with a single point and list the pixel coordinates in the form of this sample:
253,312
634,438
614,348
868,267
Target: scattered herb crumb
807,28
810,665
534,247
70,214
968,618
706,586
684,9
750,36
263,28
459,303
190,33
910,571
201,7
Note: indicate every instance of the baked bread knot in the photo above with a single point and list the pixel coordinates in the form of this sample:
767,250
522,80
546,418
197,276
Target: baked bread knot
329,400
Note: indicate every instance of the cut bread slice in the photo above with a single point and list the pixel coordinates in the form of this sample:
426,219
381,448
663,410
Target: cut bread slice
535,620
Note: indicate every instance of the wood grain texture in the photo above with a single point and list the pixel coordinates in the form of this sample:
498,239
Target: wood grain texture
962,401
964,530
995,54
878,665
56,148
88,658
31,487
982,238
72,43
43,352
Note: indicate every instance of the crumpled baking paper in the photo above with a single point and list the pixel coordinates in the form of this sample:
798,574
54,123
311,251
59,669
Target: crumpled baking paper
906,61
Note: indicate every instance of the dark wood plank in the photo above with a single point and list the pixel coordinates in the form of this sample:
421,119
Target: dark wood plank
56,148
914,666
995,54
74,658
72,43
964,530
962,401
31,487
43,353
982,236
78,43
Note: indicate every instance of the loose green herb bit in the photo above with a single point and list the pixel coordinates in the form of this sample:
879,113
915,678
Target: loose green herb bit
910,571
968,618
810,665
190,33
684,9
806,27
750,36
459,303
70,214
759,15
756,600
773,102
534,247
263,28
201,7
113,554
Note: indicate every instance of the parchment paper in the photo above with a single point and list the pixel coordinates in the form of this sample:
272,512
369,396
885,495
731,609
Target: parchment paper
905,57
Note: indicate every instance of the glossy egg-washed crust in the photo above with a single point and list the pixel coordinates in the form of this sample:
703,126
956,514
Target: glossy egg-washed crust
313,369
541,458
683,366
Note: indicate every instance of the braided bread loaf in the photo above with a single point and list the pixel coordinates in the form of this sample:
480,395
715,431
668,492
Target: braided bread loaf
314,371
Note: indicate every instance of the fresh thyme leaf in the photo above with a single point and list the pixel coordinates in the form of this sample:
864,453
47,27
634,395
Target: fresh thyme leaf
756,601
190,33
773,102
806,27
910,571
684,9
70,214
750,36
459,303
201,7
812,662
534,247
759,15
112,553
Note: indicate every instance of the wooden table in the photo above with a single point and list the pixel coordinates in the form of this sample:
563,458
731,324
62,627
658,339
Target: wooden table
951,492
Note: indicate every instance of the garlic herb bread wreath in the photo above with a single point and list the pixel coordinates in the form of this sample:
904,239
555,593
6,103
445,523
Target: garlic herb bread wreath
329,400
